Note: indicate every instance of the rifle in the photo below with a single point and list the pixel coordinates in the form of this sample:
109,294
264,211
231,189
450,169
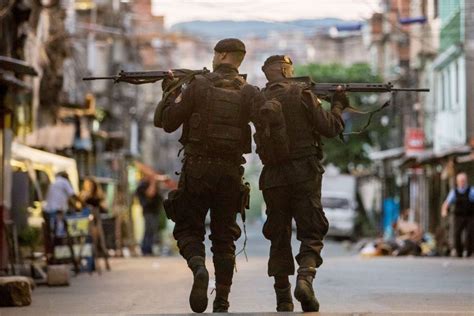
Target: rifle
181,76
141,77
323,90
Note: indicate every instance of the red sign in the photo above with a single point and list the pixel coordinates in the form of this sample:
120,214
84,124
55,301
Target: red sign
414,140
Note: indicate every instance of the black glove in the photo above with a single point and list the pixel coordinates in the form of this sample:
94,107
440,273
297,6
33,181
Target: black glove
340,98
167,83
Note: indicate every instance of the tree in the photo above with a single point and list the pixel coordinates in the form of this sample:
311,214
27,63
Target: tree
353,152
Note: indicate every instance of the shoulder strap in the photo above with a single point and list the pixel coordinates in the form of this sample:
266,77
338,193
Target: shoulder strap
309,116
158,119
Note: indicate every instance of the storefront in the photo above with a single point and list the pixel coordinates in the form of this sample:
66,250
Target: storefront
10,88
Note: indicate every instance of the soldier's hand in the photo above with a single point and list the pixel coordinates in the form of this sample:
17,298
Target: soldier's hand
169,81
340,97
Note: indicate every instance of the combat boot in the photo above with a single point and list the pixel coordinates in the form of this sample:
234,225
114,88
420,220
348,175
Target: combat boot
284,299
224,269
304,292
198,296
221,302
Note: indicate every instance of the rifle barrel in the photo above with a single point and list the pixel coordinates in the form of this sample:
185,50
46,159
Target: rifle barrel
99,78
362,87
411,89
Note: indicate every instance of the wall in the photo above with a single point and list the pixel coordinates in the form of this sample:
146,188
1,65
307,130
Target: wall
469,55
450,80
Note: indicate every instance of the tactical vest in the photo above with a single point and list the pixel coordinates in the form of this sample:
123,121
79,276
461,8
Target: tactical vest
463,206
301,138
219,125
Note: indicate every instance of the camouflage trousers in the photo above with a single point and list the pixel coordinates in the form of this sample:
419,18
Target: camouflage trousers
301,201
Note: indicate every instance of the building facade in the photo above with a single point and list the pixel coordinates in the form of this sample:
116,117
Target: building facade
433,51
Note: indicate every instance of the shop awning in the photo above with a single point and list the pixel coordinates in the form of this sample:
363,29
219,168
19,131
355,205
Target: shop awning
10,66
466,158
57,163
17,66
387,154
10,80
455,150
430,154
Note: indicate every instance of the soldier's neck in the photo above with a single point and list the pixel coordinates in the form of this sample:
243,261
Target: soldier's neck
276,80
226,68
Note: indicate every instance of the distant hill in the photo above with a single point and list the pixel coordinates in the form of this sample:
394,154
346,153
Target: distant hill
242,29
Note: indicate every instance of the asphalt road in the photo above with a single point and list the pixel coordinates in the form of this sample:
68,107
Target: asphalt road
346,284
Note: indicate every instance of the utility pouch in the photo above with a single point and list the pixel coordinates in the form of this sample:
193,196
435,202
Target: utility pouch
195,128
244,199
247,139
316,165
280,142
263,148
170,204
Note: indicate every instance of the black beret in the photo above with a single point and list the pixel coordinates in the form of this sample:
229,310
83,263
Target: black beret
277,59
230,45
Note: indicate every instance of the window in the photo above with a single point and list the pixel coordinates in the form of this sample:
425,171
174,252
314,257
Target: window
456,83
443,91
447,89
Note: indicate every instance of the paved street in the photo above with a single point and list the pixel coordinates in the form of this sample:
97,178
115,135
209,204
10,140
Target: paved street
345,284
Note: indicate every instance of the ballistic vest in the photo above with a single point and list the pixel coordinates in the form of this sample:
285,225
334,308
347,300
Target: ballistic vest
463,206
297,137
219,125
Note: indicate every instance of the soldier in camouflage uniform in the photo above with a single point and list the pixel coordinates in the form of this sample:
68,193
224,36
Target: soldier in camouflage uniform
214,110
288,142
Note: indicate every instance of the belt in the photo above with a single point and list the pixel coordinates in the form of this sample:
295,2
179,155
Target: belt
213,160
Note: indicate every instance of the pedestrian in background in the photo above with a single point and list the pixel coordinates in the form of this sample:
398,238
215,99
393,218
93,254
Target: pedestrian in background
148,193
408,236
59,194
93,195
462,197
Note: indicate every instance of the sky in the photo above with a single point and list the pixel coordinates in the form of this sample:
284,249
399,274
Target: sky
176,11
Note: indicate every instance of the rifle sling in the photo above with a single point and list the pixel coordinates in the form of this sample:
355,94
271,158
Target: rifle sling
168,92
370,113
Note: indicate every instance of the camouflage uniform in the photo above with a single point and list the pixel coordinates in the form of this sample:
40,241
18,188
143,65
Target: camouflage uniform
215,113
288,142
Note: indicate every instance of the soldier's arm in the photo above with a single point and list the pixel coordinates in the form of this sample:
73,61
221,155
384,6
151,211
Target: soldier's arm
178,109
255,99
327,123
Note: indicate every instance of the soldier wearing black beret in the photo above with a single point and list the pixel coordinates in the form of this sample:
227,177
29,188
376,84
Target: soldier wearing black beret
214,110
289,146
230,45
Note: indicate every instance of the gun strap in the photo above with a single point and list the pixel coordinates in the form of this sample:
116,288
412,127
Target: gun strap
245,204
243,250
180,83
370,113
169,91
